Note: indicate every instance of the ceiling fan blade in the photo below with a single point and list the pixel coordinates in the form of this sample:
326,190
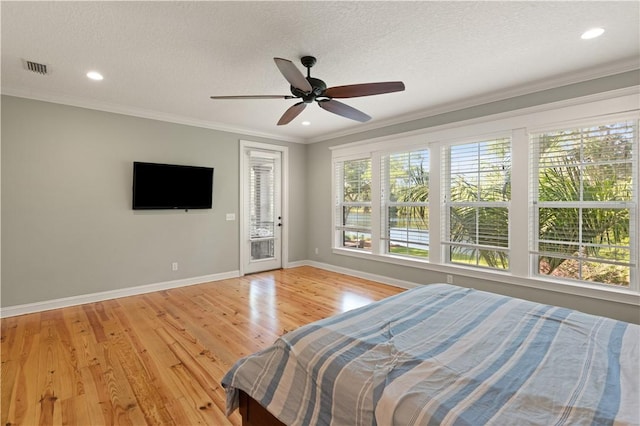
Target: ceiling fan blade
343,110
365,89
291,113
254,97
293,75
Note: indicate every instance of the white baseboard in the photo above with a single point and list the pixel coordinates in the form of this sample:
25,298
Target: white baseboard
12,311
365,275
29,308
296,264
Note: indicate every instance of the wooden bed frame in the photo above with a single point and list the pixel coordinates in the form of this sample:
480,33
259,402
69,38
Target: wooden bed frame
254,414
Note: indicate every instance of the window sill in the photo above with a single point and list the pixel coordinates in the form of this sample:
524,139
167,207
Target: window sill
593,291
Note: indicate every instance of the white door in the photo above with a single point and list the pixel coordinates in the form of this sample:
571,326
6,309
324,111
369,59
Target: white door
262,210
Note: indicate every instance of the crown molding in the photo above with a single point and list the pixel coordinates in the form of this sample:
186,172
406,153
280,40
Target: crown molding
370,143
565,79
142,113
537,86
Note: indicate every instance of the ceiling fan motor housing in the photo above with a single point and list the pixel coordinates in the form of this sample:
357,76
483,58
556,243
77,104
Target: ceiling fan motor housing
318,87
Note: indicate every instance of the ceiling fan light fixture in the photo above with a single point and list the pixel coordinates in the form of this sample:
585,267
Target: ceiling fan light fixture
306,123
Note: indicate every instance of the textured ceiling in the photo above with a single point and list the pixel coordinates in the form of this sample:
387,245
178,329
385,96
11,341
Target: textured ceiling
164,59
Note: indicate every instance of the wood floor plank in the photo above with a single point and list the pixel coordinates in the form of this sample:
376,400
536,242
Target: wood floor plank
22,400
159,358
90,357
141,372
122,401
10,350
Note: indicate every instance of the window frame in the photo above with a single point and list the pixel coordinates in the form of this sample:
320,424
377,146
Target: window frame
339,227
448,204
632,205
386,203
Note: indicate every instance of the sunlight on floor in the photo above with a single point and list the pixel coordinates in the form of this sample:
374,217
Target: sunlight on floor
262,300
352,301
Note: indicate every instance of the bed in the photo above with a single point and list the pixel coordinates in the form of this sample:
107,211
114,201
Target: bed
442,354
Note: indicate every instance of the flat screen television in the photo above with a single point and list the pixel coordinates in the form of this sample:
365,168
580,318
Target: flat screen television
171,186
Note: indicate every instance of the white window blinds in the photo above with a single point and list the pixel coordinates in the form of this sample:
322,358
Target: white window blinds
404,203
477,195
585,199
353,203
261,205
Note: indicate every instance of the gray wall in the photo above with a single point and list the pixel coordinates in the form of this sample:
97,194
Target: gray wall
67,224
319,208
68,228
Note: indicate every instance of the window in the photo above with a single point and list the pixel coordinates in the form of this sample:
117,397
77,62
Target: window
405,208
353,204
477,195
554,208
584,203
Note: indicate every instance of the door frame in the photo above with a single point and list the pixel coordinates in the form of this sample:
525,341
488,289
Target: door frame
284,208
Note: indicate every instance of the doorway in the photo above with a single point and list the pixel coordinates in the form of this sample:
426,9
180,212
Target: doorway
262,214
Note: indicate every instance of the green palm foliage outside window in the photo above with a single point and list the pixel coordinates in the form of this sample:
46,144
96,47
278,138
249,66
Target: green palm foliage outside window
477,203
405,197
584,202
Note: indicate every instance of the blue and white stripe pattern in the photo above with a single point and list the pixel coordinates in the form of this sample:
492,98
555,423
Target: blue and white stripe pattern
441,354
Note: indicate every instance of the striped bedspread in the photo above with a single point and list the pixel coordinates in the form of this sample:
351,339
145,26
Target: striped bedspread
441,354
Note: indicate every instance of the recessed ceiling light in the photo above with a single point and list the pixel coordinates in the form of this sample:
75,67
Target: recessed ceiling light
592,33
95,75
306,123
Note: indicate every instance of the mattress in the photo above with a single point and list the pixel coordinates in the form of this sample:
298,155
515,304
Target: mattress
443,354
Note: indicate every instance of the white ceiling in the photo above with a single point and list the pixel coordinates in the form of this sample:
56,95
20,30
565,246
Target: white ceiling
164,59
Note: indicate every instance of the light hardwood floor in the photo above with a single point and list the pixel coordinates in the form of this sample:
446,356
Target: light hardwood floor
158,358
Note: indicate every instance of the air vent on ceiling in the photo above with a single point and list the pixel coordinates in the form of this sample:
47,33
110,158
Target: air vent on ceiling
35,67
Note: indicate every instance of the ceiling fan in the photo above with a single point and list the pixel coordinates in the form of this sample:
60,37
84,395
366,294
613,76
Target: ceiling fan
311,89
